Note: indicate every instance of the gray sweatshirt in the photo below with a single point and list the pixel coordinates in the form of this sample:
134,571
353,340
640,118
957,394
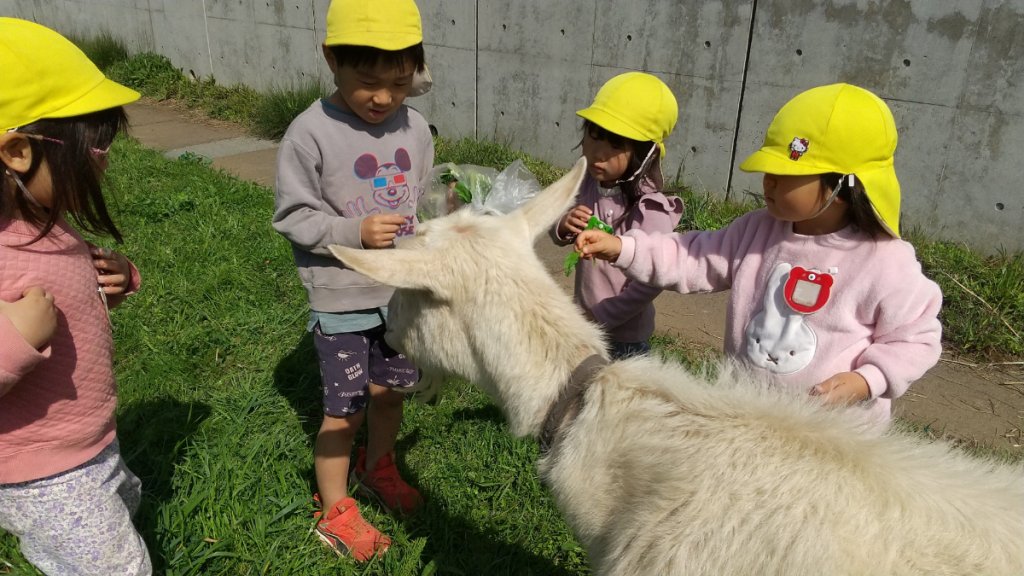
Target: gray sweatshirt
333,170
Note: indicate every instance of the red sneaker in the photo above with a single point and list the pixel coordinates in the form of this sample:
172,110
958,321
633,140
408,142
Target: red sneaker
345,532
384,484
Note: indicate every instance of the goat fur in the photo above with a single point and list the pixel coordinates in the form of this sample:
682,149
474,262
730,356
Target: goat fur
669,472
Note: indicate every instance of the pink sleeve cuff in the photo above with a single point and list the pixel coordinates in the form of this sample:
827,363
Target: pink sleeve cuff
627,253
875,379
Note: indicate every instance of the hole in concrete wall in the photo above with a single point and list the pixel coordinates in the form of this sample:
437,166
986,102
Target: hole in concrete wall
707,44
502,112
562,31
906,62
799,52
693,149
453,104
453,22
629,37
503,27
557,125
999,206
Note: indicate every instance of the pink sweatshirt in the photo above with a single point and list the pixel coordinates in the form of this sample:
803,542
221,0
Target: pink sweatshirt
623,307
878,317
56,405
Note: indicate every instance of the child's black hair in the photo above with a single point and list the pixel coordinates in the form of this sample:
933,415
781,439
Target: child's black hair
631,190
76,177
370,57
862,215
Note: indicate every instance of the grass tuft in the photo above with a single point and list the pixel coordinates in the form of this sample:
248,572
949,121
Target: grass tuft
277,109
104,50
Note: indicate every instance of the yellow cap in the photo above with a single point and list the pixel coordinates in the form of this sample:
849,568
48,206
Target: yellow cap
635,105
46,76
836,128
385,24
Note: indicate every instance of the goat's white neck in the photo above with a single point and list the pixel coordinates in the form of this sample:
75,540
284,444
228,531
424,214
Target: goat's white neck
526,372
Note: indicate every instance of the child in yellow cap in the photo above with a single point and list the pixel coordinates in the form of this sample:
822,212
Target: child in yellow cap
825,298
624,132
65,491
350,170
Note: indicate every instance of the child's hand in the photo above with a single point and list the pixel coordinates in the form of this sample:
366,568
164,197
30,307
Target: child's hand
843,389
575,221
379,230
113,272
34,316
598,244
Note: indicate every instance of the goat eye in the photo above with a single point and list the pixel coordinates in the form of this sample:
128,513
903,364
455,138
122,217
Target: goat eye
792,353
757,340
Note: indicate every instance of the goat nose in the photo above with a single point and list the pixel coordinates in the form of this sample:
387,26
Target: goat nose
773,359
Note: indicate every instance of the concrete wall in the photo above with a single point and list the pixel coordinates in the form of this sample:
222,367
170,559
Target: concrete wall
516,72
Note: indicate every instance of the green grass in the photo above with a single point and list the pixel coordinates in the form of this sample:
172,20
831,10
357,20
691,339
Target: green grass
983,301
278,108
219,404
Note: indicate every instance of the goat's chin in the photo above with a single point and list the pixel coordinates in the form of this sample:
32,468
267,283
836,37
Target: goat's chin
428,387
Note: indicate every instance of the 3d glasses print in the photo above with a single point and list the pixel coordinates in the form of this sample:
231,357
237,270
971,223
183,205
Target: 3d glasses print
387,180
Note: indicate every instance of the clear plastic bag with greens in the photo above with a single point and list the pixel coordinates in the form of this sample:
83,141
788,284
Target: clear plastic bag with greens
453,186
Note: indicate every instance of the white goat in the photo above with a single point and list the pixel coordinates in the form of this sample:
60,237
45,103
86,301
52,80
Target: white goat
662,472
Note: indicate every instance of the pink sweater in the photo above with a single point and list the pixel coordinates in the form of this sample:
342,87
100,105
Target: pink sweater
880,318
57,405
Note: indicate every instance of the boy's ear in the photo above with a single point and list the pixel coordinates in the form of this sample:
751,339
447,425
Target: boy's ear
15,152
329,56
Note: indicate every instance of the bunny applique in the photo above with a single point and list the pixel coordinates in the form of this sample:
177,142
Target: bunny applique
778,339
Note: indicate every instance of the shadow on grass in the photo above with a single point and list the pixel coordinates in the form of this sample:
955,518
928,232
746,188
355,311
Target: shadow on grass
153,435
453,544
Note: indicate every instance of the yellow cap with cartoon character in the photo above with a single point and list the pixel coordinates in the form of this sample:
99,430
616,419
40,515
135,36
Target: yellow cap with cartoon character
836,128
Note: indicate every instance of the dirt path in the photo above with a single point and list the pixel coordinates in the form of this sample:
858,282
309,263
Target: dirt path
979,405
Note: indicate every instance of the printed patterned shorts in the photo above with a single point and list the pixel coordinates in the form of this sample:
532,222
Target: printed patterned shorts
79,522
350,361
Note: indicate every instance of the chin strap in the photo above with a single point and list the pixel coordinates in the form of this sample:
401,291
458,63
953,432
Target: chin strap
850,179
643,166
21,186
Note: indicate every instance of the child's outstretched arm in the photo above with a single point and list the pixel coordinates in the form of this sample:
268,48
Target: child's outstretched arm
598,244
26,327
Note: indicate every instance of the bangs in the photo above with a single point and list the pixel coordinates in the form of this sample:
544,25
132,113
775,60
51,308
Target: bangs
598,133
370,57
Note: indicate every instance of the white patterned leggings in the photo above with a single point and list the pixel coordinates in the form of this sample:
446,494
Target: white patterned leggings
79,522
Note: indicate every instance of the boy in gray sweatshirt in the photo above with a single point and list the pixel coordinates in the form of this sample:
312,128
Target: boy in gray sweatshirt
350,170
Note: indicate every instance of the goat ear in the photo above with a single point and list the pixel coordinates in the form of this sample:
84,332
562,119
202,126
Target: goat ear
395,267
550,204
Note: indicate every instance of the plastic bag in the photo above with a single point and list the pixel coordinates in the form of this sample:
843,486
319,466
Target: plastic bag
485,189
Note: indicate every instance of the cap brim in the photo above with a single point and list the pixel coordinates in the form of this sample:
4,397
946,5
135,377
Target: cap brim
105,95
769,161
609,122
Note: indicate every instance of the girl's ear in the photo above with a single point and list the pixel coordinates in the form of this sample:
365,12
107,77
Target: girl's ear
15,152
